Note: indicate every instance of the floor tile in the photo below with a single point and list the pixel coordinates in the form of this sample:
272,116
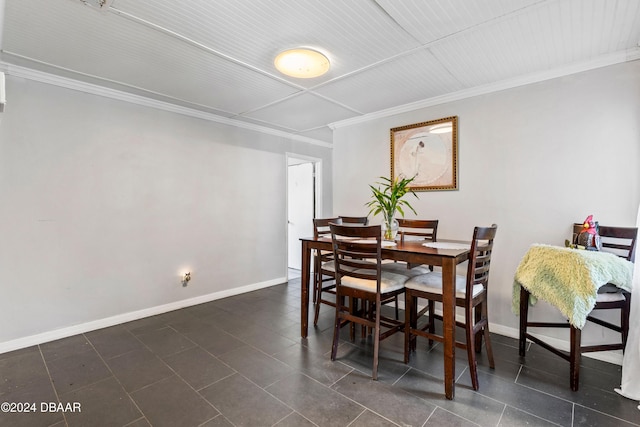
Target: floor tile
370,419
58,349
101,404
528,400
268,342
467,403
260,368
165,341
114,341
244,403
138,369
23,371
440,417
218,421
317,366
514,417
215,340
198,367
77,370
314,401
390,402
171,402
294,420
584,417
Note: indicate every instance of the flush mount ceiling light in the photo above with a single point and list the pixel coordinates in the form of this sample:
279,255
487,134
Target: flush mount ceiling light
302,63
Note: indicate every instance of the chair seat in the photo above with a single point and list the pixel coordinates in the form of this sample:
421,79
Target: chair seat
389,282
401,268
331,266
432,283
610,297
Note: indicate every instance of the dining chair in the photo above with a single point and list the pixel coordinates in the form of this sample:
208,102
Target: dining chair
620,241
422,229
414,229
323,267
471,294
418,229
364,220
359,276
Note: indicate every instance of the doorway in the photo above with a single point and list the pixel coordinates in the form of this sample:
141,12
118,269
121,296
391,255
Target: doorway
303,199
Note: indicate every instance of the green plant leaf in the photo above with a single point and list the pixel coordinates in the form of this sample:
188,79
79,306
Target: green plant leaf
387,197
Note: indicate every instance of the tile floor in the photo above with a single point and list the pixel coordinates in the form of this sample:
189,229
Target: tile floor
240,361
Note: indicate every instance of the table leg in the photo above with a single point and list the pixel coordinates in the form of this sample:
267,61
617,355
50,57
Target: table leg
304,283
449,325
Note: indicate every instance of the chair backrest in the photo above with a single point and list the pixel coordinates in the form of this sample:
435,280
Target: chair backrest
321,226
480,257
354,248
364,220
620,241
426,229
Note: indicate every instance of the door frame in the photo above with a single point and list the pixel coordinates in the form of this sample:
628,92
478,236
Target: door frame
317,173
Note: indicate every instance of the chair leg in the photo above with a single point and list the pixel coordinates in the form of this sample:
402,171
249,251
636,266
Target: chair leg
397,308
408,310
317,298
478,313
414,322
524,313
487,335
336,326
432,320
471,351
574,358
352,326
376,344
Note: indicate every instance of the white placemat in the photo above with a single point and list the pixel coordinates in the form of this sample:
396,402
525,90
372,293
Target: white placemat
446,245
385,243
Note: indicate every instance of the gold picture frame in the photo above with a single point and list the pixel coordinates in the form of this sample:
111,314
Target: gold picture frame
429,152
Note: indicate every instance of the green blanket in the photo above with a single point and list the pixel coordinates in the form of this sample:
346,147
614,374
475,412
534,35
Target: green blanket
569,278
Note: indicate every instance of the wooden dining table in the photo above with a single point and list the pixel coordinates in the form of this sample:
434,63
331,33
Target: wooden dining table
412,252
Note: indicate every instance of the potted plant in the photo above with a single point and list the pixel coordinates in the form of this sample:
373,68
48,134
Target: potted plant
387,198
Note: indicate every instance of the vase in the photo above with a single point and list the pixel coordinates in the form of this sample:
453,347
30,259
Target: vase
390,229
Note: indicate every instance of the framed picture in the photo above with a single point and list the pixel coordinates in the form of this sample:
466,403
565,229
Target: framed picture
427,151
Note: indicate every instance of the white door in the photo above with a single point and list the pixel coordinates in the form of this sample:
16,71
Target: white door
300,187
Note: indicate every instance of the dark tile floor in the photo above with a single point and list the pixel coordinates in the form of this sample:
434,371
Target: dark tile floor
240,361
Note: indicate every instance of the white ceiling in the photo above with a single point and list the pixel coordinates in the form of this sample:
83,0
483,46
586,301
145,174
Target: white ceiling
216,56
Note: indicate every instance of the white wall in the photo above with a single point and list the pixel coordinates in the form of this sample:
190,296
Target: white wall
533,159
105,203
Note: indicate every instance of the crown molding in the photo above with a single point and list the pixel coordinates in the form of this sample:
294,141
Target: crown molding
602,61
52,79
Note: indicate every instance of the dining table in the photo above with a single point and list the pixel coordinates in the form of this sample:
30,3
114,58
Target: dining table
445,254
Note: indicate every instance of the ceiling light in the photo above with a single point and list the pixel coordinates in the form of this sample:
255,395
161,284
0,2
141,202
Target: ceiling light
302,63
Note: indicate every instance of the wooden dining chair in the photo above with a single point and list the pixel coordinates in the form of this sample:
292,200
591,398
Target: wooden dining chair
471,294
364,220
358,260
323,267
422,229
418,229
426,230
622,242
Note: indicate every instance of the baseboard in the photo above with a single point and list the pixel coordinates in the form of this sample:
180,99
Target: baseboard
128,317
